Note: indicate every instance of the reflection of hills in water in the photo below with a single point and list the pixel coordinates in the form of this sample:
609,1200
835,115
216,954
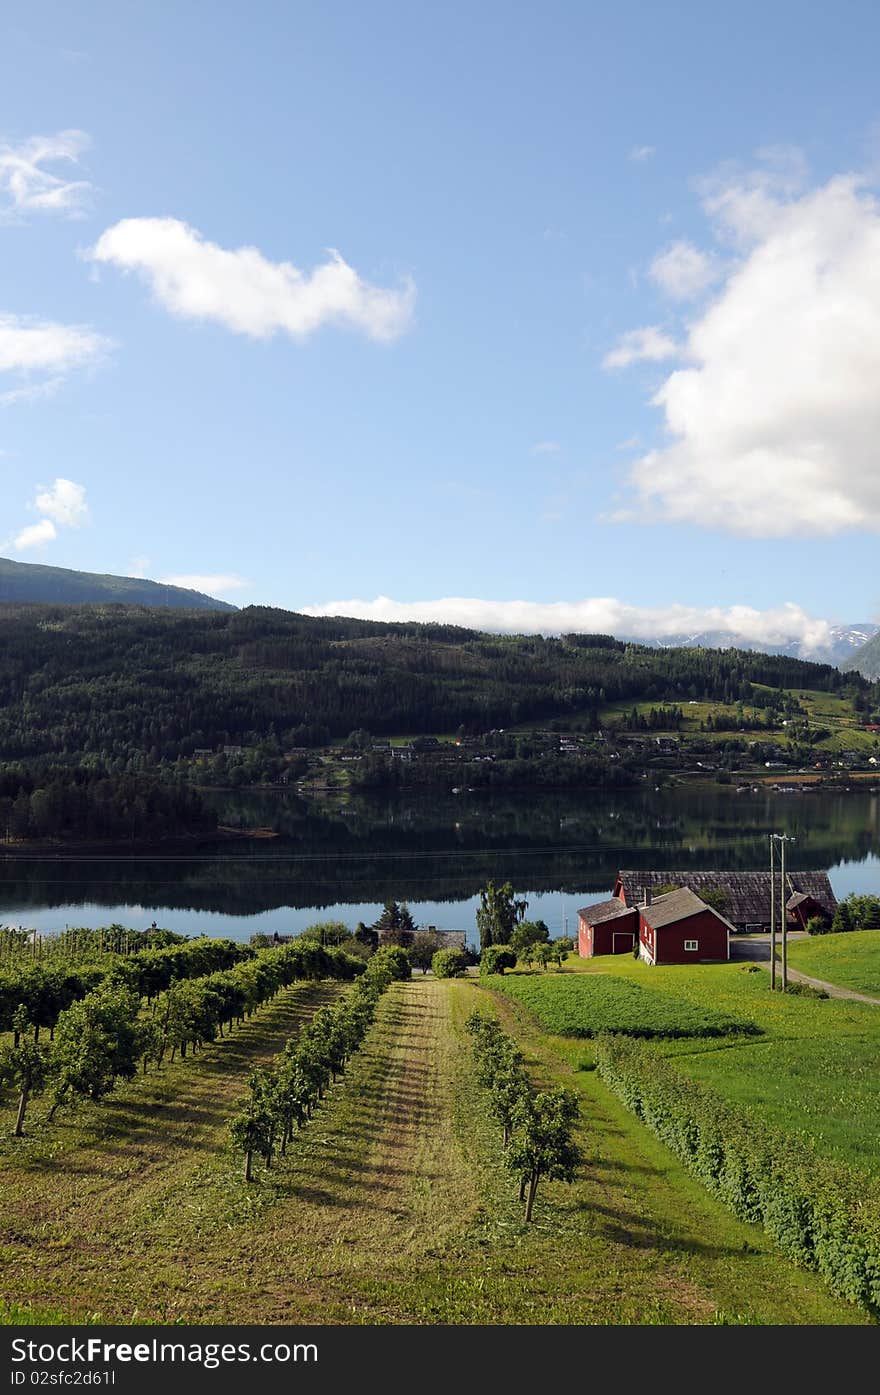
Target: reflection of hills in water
445,849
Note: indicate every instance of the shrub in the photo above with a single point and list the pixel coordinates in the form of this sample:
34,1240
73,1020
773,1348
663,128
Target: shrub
396,959
449,963
496,958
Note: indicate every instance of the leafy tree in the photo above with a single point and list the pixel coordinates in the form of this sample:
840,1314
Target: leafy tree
96,1040
510,1088
558,953
251,1131
423,948
498,914
328,932
25,1067
544,955
494,959
542,1144
367,936
449,963
528,932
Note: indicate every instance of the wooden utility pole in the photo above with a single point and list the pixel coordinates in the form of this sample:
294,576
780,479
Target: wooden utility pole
783,912
772,918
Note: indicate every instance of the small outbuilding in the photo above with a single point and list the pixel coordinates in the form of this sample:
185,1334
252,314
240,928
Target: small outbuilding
607,927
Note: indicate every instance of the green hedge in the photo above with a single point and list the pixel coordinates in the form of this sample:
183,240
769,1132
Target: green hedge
819,1212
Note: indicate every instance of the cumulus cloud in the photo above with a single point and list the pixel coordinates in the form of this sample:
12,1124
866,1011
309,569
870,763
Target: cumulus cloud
640,153
244,291
773,419
35,535
682,271
595,615
649,344
65,503
26,186
61,505
211,584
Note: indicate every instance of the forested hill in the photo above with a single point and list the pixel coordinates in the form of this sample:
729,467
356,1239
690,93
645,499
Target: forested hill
135,684
30,582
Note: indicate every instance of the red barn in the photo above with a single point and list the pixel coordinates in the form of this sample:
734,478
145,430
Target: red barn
607,927
679,928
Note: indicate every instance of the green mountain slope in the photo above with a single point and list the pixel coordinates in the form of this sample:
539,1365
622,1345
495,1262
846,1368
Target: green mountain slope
28,583
123,680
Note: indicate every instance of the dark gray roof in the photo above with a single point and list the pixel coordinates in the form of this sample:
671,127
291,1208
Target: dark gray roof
603,910
673,906
747,893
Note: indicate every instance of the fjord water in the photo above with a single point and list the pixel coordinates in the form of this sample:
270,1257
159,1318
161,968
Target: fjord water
435,852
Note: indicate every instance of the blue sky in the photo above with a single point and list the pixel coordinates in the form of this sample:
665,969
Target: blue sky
600,325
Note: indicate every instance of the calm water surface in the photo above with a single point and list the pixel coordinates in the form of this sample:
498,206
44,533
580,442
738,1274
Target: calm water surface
559,851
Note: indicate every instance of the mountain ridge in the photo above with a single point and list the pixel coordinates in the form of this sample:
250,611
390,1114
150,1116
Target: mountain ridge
33,583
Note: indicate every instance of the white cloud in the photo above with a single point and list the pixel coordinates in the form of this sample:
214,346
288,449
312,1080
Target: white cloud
28,345
35,535
682,271
744,202
65,503
639,153
243,290
30,392
26,186
62,505
774,420
637,345
595,615
546,448
211,585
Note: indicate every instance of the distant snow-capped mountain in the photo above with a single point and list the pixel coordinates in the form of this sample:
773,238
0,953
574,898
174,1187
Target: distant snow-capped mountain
846,640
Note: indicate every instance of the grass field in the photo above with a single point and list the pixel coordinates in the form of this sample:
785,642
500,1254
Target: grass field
392,1207
851,960
814,1069
580,1005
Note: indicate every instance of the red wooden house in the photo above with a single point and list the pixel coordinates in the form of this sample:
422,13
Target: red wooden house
679,928
607,927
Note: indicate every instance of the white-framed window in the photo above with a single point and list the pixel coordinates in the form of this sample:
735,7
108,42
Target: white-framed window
753,929
692,944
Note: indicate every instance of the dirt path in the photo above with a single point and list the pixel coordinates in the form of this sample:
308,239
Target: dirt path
832,989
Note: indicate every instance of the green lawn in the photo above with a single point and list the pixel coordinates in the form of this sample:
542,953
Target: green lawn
851,960
815,1068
